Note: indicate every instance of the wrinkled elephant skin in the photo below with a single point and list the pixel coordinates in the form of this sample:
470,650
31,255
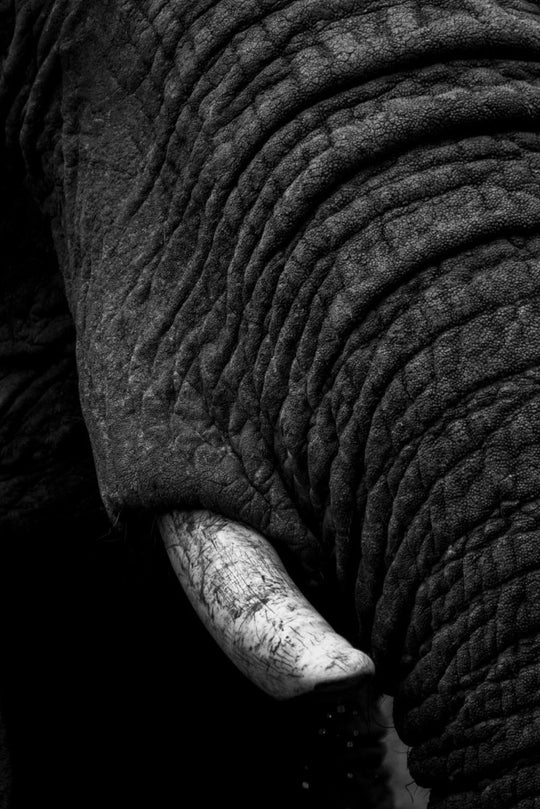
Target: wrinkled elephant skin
300,246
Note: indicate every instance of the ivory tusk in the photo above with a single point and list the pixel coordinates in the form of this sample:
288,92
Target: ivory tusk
242,593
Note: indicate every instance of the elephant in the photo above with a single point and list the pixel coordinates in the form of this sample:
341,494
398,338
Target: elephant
272,283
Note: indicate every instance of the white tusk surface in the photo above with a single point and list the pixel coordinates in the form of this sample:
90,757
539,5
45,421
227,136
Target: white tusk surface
242,593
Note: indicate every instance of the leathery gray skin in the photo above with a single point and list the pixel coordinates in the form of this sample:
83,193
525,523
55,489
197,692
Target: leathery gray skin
299,244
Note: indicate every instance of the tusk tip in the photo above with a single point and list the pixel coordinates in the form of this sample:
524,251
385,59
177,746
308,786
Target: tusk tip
332,667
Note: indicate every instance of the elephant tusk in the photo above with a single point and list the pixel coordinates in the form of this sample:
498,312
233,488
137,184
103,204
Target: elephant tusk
242,593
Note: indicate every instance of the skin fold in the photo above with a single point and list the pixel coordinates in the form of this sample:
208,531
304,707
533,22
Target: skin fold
299,244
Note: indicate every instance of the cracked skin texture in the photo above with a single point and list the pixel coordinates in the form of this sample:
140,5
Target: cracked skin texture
300,244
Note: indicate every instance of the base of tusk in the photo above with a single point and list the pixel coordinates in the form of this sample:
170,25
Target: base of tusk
242,593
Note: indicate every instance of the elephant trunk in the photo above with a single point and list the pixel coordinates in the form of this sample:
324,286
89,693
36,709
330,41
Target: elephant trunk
450,573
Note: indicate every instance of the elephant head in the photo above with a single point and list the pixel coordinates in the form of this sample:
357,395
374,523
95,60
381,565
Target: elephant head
300,247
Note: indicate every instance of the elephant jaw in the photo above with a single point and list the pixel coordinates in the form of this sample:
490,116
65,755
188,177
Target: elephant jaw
242,593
